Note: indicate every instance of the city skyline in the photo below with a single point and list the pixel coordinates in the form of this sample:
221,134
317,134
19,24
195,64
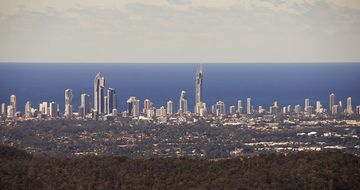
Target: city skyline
228,83
106,104
178,94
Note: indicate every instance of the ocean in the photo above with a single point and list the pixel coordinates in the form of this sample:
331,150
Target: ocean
289,84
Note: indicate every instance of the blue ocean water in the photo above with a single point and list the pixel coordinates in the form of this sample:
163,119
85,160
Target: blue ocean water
264,83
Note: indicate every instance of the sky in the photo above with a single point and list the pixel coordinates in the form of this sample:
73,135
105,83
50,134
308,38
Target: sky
179,31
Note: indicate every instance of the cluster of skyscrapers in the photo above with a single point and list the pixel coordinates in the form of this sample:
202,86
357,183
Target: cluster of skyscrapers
105,105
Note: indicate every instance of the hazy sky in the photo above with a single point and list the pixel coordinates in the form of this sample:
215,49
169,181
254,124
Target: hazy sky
179,30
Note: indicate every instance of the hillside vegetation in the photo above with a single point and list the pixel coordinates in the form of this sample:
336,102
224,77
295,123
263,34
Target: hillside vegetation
307,170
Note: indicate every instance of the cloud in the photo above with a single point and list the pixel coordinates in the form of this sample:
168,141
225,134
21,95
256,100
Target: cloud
180,2
180,31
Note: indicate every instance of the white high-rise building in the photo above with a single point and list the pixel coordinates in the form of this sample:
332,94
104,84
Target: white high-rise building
85,104
147,105
318,107
28,109
288,109
232,110
133,106
53,110
358,110
169,107
240,108
340,108
275,109
68,103
261,109
10,111
161,112
219,108
198,91
248,106
297,109
335,109
331,102
13,103
307,103
44,108
3,109
99,94
349,109
183,103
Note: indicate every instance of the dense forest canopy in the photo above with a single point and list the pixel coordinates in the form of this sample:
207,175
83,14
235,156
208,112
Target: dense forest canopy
303,170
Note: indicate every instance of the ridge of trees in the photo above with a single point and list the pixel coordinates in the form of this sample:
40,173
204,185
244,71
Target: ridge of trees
302,170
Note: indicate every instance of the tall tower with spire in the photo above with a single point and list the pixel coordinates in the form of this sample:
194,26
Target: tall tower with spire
200,107
198,85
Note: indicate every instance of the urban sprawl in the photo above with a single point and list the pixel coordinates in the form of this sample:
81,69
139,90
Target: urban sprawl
214,133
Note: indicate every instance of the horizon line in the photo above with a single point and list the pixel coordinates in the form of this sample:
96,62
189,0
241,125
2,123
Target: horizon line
110,62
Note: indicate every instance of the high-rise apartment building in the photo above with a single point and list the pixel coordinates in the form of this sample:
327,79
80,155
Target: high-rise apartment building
28,109
240,108
169,107
68,103
198,91
349,109
85,104
219,108
318,107
307,103
13,103
53,110
248,106
133,106
99,94
111,100
3,109
183,103
331,102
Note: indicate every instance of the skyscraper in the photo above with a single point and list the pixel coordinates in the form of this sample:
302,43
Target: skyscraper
318,107
349,109
10,111
147,105
28,109
331,102
99,94
232,110
111,100
198,91
219,108
169,107
248,106
240,108
133,106
297,109
161,112
183,102
85,104
3,109
275,109
13,103
358,110
43,108
68,103
307,103
53,110
288,109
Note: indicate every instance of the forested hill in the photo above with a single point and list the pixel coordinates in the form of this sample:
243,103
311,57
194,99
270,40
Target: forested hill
307,170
